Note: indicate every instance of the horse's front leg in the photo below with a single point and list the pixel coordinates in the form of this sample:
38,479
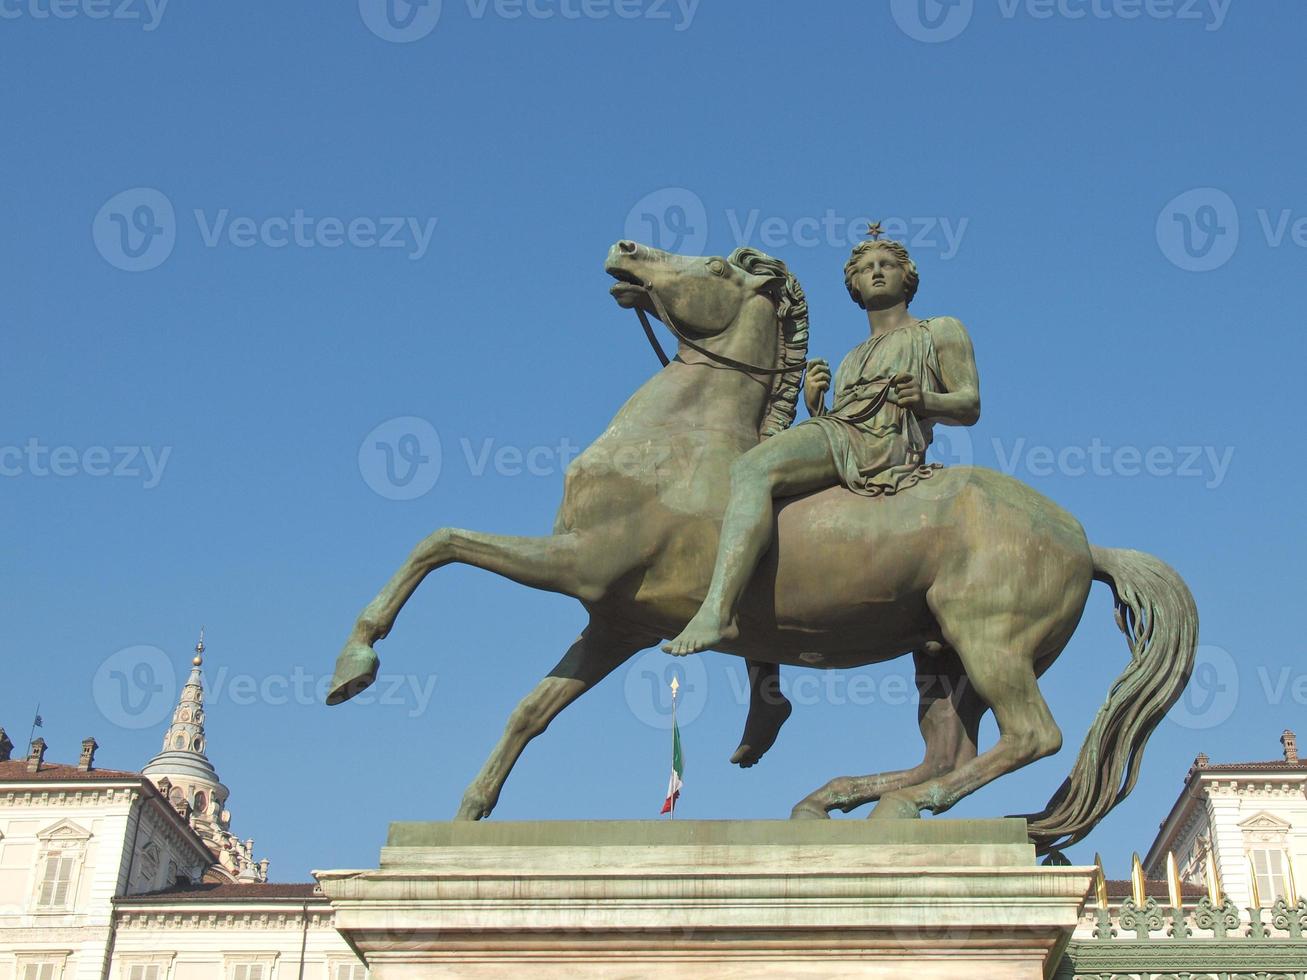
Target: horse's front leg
551,563
590,659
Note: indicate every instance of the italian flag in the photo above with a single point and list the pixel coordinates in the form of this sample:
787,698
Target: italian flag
678,770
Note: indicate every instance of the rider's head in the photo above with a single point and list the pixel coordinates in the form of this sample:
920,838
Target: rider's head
862,257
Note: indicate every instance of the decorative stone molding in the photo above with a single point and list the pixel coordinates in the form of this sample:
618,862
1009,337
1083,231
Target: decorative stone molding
64,830
1263,828
174,919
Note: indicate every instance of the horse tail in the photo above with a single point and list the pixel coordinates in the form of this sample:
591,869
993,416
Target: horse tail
1156,612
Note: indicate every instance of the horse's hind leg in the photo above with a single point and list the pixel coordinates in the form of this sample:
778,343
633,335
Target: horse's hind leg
948,714
549,563
589,660
1003,676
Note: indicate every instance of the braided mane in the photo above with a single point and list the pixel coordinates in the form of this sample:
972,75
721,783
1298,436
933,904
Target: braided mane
792,316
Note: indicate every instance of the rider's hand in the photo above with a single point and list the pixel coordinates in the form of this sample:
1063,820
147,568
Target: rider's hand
816,379
906,391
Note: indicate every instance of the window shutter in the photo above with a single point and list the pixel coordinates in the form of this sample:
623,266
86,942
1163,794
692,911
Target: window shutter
56,880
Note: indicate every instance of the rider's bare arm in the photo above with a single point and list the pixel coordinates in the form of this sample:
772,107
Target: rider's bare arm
959,403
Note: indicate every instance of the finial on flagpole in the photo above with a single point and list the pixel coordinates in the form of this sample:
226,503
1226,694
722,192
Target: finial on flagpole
675,685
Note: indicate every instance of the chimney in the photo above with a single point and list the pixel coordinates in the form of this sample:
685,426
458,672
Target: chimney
1290,742
87,760
6,747
36,756
1201,761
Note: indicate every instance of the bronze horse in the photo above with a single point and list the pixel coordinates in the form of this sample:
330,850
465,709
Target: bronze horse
977,576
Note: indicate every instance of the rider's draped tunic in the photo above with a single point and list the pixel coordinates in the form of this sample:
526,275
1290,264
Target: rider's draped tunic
879,447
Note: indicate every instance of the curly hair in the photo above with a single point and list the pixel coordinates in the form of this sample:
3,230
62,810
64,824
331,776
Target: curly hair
792,317
911,278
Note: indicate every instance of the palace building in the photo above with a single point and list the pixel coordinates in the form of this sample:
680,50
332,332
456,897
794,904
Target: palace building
113,875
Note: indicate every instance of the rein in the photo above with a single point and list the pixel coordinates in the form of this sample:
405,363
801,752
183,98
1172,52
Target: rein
722,359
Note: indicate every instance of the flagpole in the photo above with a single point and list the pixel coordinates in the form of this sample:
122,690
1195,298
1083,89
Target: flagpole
671,814
36,720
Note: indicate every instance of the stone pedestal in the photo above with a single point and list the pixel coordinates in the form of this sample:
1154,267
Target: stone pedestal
696,898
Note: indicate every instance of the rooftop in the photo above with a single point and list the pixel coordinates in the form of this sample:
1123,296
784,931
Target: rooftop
15,771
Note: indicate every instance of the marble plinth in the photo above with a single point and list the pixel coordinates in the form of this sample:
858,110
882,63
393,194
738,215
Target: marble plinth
707,899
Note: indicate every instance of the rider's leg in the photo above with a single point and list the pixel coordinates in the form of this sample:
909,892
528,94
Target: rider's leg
792,462
768,711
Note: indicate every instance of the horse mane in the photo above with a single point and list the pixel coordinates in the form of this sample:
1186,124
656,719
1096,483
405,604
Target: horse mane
792,315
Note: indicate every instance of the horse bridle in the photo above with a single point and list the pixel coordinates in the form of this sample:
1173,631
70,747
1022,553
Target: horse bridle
661,309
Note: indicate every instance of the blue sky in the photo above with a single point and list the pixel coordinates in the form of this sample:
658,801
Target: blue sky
242,237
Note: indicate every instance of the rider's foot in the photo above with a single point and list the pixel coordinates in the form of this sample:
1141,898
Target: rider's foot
703,632
766,716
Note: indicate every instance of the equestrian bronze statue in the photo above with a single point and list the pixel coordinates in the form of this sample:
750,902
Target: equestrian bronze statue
703,515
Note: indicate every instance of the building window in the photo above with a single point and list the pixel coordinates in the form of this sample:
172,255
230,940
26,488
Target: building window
350,971
144,971
1272,874
201,803
247,971
48,970
55,890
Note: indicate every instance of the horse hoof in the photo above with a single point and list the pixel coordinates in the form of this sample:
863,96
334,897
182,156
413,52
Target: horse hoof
893,807
356,669
807,811
472,810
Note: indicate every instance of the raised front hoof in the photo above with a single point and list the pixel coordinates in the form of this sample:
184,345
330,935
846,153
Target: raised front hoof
895,807
356,669
808,811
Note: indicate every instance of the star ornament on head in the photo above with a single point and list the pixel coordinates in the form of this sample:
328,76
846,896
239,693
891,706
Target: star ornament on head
874,231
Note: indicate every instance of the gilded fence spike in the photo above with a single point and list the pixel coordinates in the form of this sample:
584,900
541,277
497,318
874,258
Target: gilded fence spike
1290,881
1213,879
1253,890
1137,891
1100,882
1173,882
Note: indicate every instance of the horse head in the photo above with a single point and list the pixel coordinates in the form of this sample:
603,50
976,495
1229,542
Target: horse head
704,294
745,309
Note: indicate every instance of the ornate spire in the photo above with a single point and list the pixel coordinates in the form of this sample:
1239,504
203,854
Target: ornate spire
185,735
184,774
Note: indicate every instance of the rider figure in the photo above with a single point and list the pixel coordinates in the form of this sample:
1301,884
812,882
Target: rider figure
889,392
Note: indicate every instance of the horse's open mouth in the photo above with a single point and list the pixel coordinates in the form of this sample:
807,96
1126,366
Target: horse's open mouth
628,288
